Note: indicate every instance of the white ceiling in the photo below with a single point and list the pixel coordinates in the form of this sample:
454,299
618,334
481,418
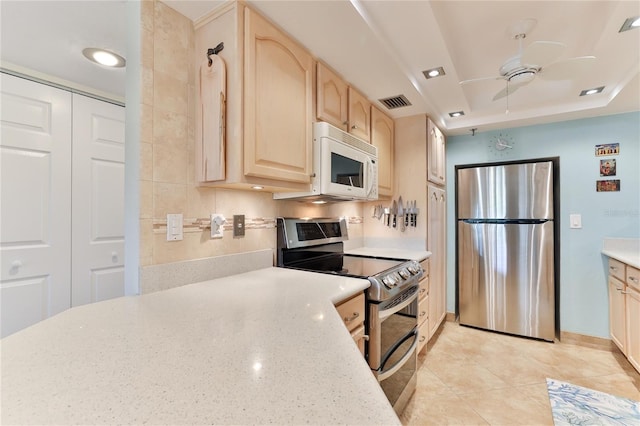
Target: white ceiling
381,48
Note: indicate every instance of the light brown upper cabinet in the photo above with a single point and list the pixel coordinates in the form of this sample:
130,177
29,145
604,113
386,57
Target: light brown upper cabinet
436,160
382,137
359,115
332,98
269,103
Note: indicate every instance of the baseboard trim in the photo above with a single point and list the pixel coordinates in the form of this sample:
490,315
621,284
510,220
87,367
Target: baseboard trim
587,341
451,317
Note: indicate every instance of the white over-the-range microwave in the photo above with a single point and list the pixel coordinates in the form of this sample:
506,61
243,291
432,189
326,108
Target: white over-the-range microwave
344,168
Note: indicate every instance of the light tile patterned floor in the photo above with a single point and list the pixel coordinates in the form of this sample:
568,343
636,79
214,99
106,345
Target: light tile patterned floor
476,377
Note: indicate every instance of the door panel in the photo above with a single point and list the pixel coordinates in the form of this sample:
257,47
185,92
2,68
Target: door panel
98,201
506,280
35,146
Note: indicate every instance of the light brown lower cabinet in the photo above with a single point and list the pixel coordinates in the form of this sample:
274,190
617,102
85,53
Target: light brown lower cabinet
423,307
352,313
624,309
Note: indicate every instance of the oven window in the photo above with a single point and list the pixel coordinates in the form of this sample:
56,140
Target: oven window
346,171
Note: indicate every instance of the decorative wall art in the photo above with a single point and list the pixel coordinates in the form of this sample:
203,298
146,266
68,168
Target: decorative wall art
608,167
607,149
611,185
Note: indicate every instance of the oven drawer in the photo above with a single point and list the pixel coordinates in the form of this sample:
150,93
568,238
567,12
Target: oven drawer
352,311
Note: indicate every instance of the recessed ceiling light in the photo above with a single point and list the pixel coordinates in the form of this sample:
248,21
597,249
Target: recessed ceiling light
104,57
433,72
593,91
630,23
456,114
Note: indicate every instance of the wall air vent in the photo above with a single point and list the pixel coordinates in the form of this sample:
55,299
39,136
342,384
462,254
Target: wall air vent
395,102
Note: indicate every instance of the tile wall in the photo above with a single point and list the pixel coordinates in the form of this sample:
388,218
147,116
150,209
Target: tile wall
167,160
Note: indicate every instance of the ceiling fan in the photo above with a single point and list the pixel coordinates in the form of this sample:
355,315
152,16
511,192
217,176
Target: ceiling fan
538,59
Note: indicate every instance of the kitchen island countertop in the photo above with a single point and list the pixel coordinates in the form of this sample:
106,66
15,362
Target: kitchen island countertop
265,346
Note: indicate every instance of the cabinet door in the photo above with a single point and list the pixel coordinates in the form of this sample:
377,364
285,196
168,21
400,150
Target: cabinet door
436,154
278,103
359,115
436,244
382,138
617,312
332,101
632,324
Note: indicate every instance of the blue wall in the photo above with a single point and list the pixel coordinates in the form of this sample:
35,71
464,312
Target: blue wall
583,287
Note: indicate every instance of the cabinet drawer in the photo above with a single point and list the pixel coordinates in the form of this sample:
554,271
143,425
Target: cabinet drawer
425,266
633,277
424,288
423,335
358,336
617,269
352,311
423,310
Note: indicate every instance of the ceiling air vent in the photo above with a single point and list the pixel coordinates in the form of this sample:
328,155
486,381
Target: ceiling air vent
395,102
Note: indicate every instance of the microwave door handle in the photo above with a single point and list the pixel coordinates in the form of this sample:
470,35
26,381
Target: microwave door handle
369,176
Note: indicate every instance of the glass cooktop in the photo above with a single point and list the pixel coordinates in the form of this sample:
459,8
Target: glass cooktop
343,264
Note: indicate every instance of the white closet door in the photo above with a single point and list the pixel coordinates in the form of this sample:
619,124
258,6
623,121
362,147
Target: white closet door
98,201
35,206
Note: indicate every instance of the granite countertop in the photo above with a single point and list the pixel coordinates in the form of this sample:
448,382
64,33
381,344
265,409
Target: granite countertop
261,347
626,250
393,253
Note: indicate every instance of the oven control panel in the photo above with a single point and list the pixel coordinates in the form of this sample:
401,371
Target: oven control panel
404,273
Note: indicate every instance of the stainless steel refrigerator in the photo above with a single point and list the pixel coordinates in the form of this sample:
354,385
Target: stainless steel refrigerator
505,247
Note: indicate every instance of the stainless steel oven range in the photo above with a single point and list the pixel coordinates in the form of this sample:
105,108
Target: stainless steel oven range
392,299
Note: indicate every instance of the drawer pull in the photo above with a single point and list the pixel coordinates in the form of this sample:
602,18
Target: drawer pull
634,279
613,268
354,316
423,313
421,339
422,290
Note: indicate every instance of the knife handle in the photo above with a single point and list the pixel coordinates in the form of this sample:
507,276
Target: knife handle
394,221
406,219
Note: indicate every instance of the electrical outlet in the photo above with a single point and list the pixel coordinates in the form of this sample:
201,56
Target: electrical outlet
238,225
217,220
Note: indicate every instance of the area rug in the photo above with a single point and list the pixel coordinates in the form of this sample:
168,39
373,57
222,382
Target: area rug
575,405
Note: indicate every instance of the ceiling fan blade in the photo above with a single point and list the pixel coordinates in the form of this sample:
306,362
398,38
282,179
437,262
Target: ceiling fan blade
541,53
567,69
473,80
508,89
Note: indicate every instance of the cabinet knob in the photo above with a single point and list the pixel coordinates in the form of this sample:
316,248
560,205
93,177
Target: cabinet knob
114,256
421,339
634,279
352,317
423,313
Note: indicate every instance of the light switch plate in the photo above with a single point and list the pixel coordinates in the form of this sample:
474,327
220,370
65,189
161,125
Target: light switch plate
575,221
238,225
174,227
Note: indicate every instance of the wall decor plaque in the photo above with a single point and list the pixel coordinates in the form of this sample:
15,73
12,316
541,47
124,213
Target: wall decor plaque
607,149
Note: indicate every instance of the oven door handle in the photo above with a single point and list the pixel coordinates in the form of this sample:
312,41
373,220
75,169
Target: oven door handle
382,315
383,375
